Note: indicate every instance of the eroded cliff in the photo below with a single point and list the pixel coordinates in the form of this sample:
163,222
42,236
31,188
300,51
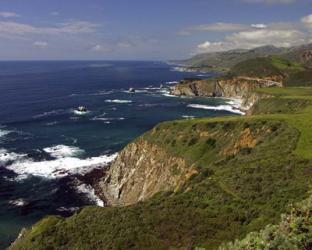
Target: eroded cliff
141,170
234,87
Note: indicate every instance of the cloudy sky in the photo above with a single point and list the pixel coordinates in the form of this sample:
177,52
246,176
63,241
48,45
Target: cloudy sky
145,29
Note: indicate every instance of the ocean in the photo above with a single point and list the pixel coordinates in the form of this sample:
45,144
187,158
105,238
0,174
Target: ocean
44,141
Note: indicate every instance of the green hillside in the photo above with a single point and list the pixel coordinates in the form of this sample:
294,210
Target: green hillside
249,170
225,60
293,73
266,66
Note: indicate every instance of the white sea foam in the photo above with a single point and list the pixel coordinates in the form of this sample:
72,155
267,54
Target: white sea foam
90,194
61,151
51,123
173,82
228,108
167,94
67,209
188,116
18,202
118,101
51,169
77,112
50,113
6,156
4,132
108,118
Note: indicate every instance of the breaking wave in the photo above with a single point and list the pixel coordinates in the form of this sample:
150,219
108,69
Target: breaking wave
66,164
89,192
118,101
228,108
4,132
61,151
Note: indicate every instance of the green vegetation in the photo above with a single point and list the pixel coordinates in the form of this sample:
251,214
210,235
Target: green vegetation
294,232
249,169
266,66
222,61
225,60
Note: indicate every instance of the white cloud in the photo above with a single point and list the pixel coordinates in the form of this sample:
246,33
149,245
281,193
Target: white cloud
40,44
217,27
283,38
100,48
220,27
283,34
75,27
255,38
6,14
259,26
307,20
209,45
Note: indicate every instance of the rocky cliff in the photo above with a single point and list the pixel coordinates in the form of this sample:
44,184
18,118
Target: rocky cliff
234,87
141,170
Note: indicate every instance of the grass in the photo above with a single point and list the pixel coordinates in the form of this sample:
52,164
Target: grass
284,64
249,169
293,232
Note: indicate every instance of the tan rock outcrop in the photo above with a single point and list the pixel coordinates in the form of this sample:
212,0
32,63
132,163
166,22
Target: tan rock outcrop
140,171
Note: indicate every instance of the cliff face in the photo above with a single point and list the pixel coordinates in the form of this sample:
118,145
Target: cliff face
235,87
194,88
141,170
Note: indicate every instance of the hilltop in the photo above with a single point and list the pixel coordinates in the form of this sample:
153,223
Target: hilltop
223,61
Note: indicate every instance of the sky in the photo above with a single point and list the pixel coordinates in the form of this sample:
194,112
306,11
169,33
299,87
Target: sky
145,29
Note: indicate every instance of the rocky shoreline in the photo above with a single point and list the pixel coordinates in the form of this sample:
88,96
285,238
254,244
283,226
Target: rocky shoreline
119,185
242,88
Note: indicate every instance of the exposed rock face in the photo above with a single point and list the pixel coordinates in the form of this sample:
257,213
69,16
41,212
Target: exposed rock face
141,170
194,88
235,87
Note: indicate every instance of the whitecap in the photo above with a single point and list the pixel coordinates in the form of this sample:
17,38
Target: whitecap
228,108
50,113
108,118
6,156
4,132
118,101
60,167
89,192
173,82
77,112
188,116
51,123
61,151
18,202
67,209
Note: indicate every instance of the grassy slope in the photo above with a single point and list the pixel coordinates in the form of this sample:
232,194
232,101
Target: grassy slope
294,232
266,66
294,74
234,193
227,59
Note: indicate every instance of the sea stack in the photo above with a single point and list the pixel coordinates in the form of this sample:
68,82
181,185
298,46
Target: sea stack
131,90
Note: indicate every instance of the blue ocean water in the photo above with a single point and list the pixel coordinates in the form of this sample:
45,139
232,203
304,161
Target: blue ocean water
43,140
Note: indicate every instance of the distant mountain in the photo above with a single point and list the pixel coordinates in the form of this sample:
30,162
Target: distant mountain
223,61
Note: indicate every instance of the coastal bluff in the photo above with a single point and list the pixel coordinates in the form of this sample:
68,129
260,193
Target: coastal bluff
240,87
141,170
